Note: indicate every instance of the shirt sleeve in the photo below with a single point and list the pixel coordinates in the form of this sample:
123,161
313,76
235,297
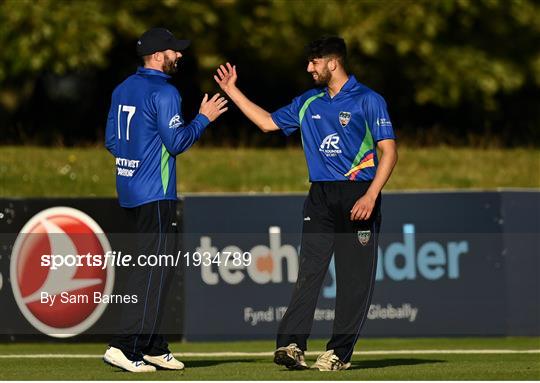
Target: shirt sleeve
175,135
287,118
111,140
378,118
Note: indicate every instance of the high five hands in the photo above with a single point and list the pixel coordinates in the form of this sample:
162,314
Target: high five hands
214,107
226,77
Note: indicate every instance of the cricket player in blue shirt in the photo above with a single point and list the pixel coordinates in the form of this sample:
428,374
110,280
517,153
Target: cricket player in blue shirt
145,131
342,124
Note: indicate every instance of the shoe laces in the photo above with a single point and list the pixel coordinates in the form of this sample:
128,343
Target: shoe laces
295,349
293,346
297,353
330,357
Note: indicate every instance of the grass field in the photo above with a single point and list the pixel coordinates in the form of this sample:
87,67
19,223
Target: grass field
79,172
376,359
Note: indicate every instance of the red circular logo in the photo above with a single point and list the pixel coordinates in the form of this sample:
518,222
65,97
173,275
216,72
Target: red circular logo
54,274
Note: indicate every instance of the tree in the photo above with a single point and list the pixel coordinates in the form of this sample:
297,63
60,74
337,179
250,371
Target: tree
460,68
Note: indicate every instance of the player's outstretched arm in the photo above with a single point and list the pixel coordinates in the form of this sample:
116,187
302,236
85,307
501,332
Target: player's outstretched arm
176,137
226,78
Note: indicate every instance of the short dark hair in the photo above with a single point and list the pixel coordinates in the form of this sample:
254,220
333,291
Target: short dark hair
327,46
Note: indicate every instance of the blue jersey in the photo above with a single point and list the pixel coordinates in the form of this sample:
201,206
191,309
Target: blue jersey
145,131
339,134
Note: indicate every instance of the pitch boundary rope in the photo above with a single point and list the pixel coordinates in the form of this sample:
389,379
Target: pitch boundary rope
269,354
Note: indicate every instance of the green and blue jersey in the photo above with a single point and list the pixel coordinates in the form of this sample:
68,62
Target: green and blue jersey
145,131
339,134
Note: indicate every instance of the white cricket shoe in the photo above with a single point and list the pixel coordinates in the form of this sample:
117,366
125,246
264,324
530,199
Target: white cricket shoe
291,357
330,362
115,357
166,361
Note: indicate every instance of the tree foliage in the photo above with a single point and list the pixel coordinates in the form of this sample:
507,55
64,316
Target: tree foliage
454,67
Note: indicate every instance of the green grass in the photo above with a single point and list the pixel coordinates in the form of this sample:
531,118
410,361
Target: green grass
87,172
460,366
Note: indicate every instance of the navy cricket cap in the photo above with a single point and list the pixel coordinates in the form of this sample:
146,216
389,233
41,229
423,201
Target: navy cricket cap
159,40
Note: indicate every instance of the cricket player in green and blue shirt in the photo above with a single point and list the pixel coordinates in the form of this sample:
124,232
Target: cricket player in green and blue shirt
342,124
145,132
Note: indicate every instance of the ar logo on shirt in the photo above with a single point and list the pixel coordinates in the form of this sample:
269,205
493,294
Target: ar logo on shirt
344,118
175,121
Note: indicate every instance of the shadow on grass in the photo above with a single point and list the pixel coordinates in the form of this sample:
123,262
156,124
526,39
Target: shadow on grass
189,365
382,363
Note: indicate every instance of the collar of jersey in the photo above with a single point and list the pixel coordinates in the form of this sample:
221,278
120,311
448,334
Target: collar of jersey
153,72
348,86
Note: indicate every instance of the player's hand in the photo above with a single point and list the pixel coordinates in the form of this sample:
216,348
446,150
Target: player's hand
214,107
226,77
363,208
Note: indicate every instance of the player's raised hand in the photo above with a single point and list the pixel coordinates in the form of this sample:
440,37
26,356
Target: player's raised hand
214,107
226,76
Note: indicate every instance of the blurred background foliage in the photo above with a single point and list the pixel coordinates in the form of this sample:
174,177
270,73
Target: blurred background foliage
458,72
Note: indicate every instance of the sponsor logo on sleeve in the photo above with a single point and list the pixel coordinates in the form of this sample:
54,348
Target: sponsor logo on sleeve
383,122
175,121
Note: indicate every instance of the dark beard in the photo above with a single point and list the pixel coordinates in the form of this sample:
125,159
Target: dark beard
169,66
323,78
